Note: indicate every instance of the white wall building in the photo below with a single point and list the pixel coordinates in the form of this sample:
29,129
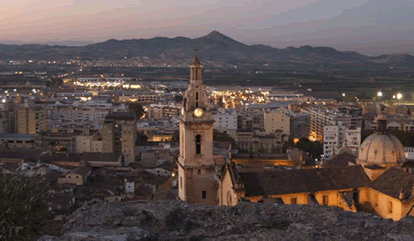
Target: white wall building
225,120
409,153
336,137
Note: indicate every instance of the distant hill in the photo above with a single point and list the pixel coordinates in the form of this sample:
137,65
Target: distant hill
215,46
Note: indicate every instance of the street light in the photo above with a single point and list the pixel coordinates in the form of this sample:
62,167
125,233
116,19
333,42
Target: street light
379,94
399,97
393,97
343,94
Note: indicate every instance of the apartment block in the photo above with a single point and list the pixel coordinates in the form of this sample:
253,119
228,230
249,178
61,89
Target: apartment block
119,134
30,120
340,136
276,120
225,120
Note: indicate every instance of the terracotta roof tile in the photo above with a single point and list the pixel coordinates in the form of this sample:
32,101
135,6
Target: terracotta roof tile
392,181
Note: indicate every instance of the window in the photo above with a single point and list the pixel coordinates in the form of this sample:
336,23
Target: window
198,144
293,200
181,182
325,200
199,172
196,95
389,206
204,194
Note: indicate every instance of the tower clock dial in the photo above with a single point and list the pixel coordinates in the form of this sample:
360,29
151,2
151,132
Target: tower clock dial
198,112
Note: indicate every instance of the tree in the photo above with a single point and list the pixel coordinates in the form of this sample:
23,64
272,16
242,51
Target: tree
314,149
23,206
141,137
223,136
137,109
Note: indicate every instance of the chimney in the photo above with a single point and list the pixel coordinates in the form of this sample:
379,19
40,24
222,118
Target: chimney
401,196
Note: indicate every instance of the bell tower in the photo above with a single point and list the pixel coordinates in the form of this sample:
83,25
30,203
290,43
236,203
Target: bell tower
196,169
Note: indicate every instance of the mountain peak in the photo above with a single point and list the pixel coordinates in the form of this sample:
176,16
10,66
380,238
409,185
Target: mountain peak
216,35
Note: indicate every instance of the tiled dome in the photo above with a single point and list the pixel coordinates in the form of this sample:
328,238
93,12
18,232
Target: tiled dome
381,148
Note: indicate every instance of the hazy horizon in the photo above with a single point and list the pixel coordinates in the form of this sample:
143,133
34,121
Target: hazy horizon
366,26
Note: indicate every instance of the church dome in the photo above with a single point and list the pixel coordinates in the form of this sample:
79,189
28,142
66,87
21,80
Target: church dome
381,148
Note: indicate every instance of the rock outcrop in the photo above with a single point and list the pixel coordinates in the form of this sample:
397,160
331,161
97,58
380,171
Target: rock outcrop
174,220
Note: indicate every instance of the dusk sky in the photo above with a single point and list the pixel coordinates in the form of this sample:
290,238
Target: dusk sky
368,26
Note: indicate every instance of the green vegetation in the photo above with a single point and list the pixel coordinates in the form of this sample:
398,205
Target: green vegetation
313,148
137,109
22,207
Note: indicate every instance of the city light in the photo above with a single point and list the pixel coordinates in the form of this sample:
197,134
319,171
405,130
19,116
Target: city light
399,96
379,94
343,94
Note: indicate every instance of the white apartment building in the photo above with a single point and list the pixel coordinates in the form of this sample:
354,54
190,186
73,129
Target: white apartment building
225,120
336,137
158,111
91,116
319,118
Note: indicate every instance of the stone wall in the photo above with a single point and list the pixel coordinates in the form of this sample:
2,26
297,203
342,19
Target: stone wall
174,220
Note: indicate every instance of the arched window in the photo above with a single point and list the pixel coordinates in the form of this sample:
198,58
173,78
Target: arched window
196,95
198,144
199,172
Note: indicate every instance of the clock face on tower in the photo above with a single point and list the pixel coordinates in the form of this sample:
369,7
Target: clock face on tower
198,112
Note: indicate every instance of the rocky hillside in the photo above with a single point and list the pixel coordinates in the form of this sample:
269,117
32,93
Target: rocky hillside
173,220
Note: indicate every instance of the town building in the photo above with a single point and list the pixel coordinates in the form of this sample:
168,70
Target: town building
13,140
339,136
7,121
30,120
225,121
88,143
320,117
277,120
249,141
158,111
299,125
119,134
249,121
